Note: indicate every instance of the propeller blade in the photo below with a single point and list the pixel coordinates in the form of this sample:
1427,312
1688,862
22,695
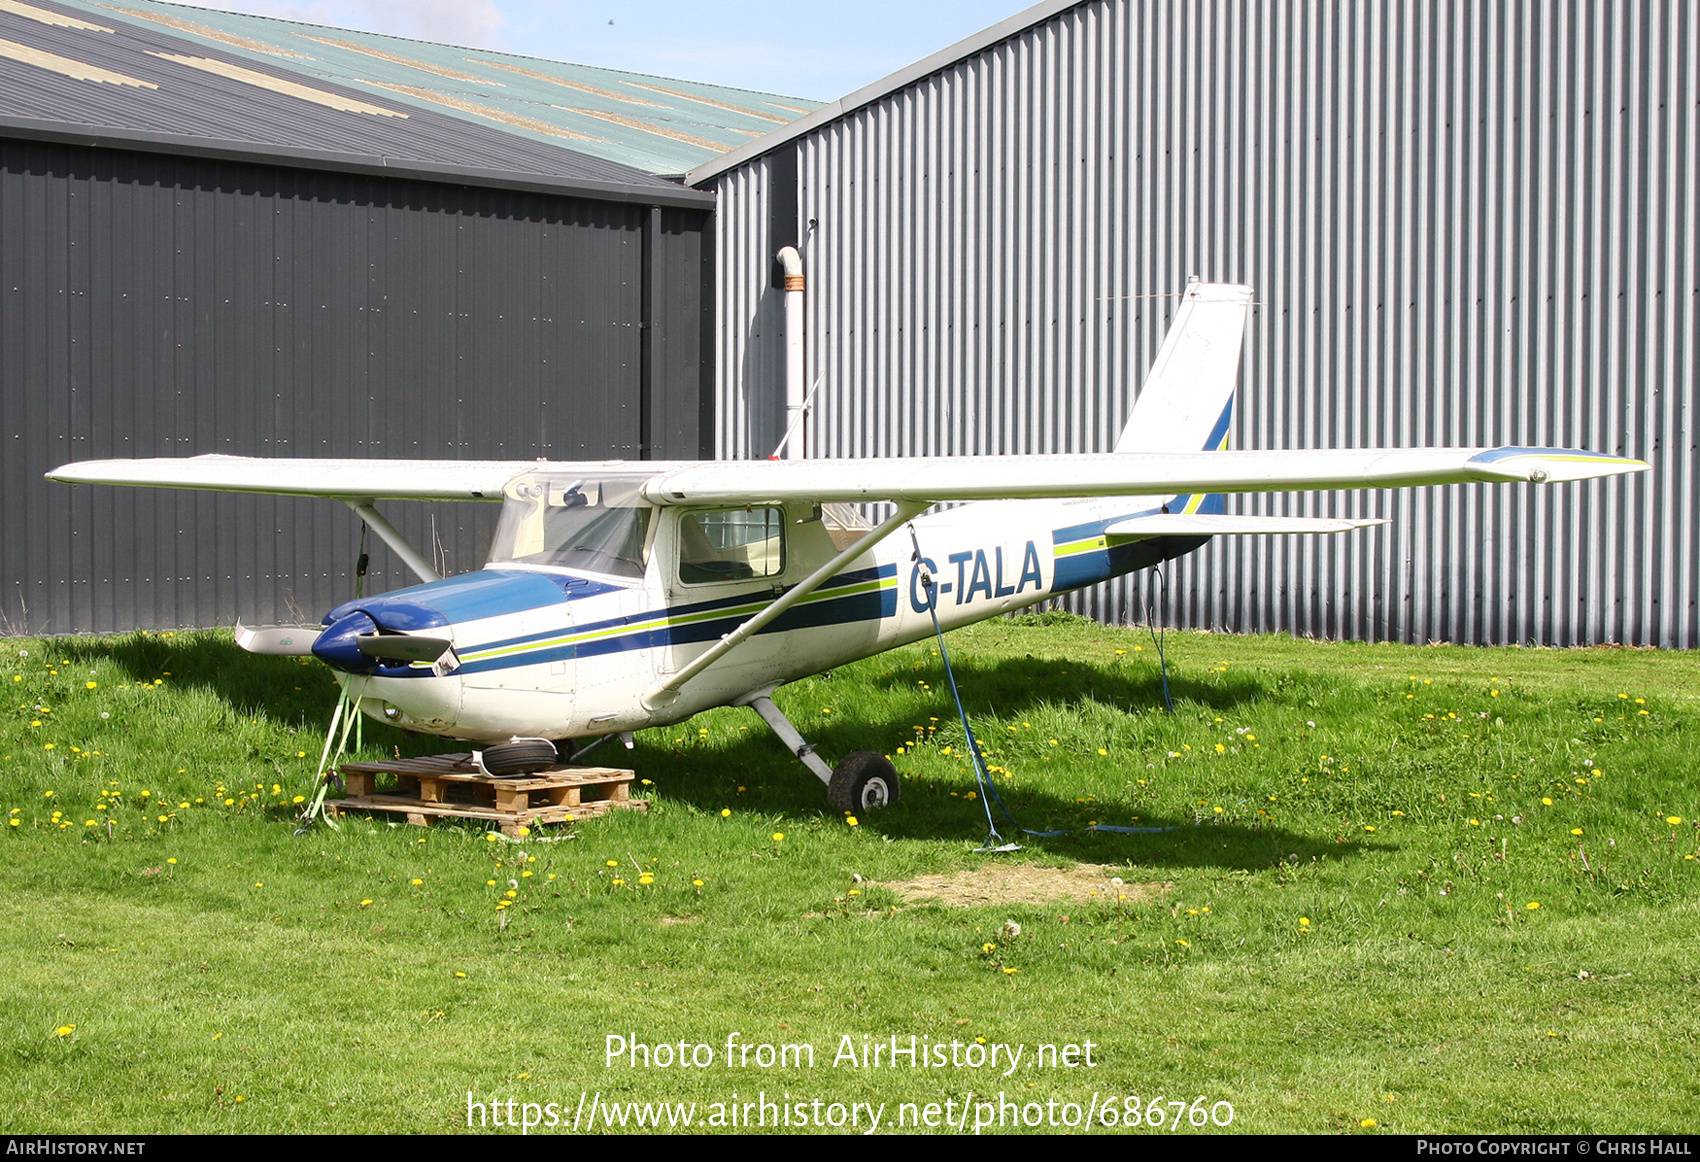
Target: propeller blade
402,646
280,640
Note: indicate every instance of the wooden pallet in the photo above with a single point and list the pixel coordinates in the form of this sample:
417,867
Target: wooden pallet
450,786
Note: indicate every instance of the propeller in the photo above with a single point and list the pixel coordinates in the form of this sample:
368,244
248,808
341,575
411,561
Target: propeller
289,641
403,647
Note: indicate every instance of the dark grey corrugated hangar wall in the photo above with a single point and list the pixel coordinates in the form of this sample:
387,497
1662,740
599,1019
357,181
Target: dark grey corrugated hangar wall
159,305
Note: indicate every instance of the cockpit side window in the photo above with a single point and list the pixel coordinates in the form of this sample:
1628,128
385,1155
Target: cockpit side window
739,544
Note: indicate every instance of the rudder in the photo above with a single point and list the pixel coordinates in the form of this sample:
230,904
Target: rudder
1188,396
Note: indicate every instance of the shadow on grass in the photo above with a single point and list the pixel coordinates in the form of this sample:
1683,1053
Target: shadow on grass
1012,685
776,785
253,685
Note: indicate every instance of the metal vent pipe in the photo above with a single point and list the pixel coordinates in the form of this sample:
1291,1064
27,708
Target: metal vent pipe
796,423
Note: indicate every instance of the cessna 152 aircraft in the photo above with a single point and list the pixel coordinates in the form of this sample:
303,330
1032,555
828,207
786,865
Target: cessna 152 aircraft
623,595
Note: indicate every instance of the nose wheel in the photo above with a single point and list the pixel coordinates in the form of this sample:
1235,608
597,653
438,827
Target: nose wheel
522,756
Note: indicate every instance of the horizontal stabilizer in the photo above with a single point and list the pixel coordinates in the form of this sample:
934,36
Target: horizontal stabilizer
1201,524
289,641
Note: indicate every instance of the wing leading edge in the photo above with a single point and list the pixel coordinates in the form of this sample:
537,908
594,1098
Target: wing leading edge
891,479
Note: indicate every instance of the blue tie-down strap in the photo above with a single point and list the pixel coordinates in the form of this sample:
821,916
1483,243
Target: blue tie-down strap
989,792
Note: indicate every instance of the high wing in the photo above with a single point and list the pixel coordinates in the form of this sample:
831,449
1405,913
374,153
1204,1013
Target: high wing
924,480
1113,474
336,479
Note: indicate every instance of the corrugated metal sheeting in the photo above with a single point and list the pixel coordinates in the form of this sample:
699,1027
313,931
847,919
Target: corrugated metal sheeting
161,306
1468,223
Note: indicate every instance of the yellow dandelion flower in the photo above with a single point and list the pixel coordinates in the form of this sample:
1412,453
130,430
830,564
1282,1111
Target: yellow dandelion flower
779,836
1368,1123
852,821
725,811
64,1030
461,975
416,883
365,903
696,883
1532,905
1183,944
1674,820
1575,831
1304,921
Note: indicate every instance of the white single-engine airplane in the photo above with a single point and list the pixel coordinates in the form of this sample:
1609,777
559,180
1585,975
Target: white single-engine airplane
623,595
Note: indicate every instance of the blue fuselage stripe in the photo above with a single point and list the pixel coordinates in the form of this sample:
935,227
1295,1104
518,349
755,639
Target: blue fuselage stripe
820,610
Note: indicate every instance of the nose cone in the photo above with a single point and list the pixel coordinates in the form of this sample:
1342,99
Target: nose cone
400,612
337,648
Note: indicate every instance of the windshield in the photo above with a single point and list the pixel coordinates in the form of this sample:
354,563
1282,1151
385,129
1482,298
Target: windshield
599,524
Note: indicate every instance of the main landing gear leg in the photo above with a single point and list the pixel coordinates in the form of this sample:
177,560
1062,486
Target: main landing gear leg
780,725
863,782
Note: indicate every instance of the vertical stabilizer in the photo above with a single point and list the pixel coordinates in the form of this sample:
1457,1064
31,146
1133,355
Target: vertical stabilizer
1188,397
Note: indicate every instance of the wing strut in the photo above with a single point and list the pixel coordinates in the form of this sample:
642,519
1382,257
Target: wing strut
392,537
665,692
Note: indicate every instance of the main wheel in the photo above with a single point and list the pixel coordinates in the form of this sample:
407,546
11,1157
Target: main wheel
863,781
521,757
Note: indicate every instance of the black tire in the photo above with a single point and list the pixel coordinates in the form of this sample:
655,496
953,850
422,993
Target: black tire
863,782
521,757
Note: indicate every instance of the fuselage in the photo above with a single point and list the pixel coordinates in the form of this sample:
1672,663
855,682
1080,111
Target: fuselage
558,652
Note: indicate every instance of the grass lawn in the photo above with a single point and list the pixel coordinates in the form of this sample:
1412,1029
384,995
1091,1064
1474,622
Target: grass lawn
1401,890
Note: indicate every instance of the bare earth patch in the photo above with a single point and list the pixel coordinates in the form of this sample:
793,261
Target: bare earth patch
1020,884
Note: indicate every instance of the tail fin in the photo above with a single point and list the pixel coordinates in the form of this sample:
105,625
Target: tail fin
1188,396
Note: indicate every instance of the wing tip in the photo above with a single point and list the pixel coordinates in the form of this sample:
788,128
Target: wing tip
1551,465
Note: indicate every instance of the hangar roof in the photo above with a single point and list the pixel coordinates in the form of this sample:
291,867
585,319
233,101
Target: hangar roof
162,75
711,168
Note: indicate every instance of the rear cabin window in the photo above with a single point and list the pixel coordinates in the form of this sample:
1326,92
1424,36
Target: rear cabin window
739,544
